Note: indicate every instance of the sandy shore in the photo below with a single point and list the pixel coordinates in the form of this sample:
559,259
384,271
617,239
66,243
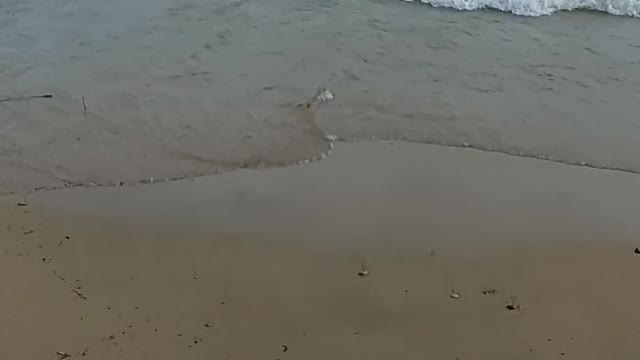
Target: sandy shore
264,264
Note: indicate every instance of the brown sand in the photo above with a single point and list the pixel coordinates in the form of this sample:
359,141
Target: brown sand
248,264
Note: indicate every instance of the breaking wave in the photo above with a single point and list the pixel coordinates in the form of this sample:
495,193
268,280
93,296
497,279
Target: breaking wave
542,7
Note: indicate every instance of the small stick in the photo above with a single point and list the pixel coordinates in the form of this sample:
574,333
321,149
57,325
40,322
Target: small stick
21,98
84,106
226,289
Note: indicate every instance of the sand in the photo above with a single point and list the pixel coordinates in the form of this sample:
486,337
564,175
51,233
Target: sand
248,264
180,88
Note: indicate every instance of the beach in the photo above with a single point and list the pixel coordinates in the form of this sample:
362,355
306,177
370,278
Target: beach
312,179
248,264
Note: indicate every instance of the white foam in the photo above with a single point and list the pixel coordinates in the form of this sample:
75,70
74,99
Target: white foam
542,7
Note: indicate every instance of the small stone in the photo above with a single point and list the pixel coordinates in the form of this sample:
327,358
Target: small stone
454,294
636,251
512,305
363,273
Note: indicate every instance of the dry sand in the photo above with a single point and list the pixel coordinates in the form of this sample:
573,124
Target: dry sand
246,265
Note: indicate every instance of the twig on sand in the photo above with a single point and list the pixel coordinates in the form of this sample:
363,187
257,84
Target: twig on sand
84,106
62,355
23,98
225,298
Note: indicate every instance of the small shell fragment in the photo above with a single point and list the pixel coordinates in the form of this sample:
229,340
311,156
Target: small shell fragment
363,273
324,96
454,294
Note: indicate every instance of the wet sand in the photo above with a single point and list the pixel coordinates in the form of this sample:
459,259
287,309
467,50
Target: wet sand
248,264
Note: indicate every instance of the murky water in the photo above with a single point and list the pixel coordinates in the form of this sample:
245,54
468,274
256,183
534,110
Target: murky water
185,88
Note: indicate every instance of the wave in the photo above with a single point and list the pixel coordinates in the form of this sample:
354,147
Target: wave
542,7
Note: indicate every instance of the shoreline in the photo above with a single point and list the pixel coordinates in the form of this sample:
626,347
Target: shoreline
331,140
271,258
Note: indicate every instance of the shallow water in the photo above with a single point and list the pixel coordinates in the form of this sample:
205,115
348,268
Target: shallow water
184,88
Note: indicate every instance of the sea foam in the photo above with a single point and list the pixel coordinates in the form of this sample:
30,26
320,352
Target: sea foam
542,7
